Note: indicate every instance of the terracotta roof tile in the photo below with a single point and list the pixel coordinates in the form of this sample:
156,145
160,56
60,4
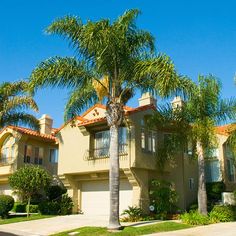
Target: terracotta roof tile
225,129
31,132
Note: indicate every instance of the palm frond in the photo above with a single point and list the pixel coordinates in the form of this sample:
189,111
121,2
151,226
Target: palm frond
80,99
59,72
20,118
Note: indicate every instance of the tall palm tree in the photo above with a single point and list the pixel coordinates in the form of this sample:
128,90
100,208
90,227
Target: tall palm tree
195,122
14,100
112,60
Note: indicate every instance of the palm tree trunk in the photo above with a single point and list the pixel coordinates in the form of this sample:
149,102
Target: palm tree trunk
114,119
202,196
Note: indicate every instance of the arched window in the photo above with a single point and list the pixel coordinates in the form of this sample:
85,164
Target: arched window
8,149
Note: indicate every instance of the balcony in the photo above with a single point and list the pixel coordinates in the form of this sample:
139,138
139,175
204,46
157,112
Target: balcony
101,153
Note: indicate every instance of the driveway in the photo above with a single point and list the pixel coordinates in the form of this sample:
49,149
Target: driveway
52,225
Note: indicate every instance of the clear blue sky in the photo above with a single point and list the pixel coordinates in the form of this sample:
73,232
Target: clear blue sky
199,36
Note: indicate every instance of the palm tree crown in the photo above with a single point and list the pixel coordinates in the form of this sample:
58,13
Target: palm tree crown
13,101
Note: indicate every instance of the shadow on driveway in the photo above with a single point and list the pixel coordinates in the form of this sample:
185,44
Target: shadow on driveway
7,234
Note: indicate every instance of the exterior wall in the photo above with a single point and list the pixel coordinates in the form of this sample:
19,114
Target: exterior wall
138,166
17,160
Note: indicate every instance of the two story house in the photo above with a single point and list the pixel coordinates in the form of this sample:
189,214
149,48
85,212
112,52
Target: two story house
220,165
84,160
20,146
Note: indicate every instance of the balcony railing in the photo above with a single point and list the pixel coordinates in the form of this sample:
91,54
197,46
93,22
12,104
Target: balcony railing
99,153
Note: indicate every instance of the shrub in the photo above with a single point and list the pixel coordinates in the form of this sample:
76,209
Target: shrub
66,205
132,214
163,197
6,204
195,218
49,208
19,207
55,191
222,214
193,206
32,208
214,190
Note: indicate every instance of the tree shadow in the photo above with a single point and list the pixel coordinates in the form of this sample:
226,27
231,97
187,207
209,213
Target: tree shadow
7,234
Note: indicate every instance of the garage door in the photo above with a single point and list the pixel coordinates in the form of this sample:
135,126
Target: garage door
5,189
95,197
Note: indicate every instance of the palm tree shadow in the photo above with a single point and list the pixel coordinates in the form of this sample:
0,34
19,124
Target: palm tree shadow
7,234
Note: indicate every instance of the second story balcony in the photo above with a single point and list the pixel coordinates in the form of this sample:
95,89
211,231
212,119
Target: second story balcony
103,152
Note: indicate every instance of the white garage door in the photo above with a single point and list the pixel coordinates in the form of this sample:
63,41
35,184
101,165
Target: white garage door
5,189
95,197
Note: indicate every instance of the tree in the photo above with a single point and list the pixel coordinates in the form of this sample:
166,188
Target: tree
113,60
195,122
29,180
13,101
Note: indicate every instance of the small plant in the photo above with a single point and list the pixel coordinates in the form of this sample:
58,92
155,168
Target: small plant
49,208
32,208
195,218
6,204
19,207
163,197
66,205
214,190
132,214
222,214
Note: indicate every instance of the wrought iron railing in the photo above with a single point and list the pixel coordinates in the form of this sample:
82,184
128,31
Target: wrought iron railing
5,161
99,153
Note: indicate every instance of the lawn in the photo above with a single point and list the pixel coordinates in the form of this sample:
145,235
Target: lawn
127,231
15,219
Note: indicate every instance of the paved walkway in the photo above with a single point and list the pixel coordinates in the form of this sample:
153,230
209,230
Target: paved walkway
221,229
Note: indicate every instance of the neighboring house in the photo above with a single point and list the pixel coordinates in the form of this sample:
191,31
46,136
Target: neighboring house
220,166
84,160
20,146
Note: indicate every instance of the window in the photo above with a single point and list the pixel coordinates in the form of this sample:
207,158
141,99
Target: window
102,142
53,158
28,153
8,149
38,155
191,183
148,140
230,164
212,165
143,144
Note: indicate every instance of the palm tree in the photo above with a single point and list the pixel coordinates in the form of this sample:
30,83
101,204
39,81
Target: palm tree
195,122
13,101
112,60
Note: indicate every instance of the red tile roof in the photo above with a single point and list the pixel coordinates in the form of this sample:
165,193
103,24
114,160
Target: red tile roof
225,129
30,132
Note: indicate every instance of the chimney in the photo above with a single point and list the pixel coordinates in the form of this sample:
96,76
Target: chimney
177,102
45,124
147,99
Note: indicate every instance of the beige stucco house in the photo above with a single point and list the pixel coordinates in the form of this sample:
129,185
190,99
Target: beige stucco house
84,160
20,146
221,165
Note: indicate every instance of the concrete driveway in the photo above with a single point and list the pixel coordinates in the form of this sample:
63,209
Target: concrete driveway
52,225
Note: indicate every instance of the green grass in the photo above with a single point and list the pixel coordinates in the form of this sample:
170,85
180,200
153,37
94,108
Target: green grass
15,219
127,231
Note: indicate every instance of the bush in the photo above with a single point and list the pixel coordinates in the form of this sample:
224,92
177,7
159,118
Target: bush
61,206
195,218
19,207
132,214
193,206
32,208
55,191
66,205
222,214
163,197
6,204
49,208
214,190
